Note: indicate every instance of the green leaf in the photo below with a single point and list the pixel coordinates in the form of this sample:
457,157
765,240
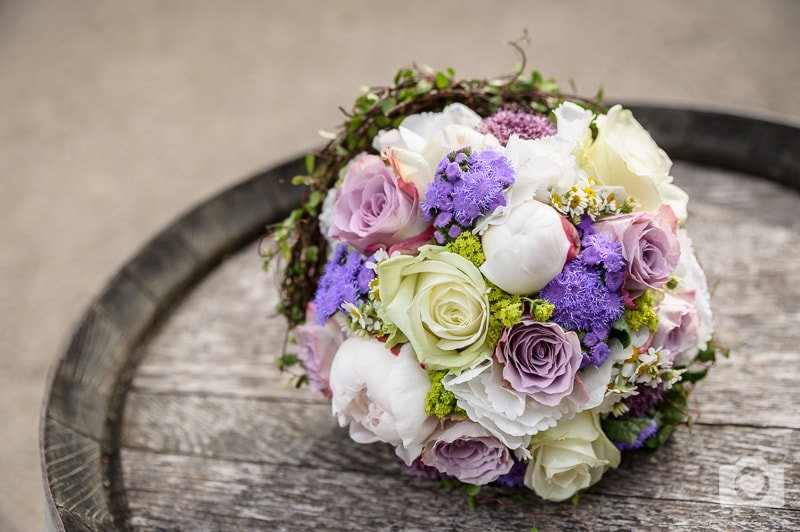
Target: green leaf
310,163
624,430
694,376
442,80
471,489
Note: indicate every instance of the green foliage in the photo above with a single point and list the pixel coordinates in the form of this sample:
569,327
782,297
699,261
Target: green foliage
625,430
673,411
470,490
414,90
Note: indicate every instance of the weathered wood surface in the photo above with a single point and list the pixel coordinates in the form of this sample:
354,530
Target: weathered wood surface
211,439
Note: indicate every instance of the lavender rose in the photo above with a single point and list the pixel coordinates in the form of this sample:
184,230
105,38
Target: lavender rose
465,450
677,324
649,244
374,208
540,360
316,346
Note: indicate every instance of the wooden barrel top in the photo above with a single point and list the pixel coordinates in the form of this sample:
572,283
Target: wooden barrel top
165,410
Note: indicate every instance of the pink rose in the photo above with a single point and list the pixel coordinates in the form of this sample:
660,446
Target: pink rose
468,452
677,324
541,360
316,346
649,244
376,209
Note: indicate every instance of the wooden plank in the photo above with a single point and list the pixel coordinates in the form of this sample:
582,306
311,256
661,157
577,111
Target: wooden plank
305,435
213,494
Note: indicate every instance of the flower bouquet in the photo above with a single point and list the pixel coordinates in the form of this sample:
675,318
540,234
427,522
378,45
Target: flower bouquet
492,276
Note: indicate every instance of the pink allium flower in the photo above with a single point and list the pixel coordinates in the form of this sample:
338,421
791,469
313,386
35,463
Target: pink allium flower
526,125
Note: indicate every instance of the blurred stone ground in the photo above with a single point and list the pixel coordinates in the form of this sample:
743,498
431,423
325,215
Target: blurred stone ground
116,116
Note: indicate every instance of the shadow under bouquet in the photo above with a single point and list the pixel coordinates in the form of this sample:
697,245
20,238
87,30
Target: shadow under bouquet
493,277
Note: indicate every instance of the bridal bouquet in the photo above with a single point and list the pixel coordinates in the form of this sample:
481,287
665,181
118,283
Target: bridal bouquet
493,277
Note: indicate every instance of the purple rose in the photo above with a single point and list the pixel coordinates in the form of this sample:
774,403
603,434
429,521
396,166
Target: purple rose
316,346
540,359
465,450
649,244
374,208
677,324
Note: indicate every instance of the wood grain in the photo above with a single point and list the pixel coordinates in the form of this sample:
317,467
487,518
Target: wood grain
211,438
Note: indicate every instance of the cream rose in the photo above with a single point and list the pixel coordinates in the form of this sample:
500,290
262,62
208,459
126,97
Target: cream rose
438,299
624,154
571,456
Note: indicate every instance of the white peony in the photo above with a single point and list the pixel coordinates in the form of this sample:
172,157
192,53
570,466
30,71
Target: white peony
527,247
416,147
381,397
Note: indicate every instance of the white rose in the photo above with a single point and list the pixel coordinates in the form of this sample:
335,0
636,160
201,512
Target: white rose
381,397
692,280
624,154
527,247
570,457
438,299
415,148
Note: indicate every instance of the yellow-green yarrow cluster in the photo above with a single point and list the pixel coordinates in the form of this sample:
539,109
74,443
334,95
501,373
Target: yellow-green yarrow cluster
439,401
643,314
468,246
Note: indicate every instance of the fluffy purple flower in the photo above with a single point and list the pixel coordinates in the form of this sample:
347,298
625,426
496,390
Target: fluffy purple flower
466,451
540,360
346,280
527,125
466,185
582,300
648,431
514,478
647,399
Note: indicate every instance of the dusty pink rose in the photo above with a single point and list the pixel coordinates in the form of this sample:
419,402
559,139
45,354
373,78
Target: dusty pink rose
465,450
316,346
374,208
649,244
540,360
677,324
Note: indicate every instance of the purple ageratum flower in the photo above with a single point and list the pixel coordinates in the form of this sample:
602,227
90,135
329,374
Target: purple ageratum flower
540,360
466,185
466,451
514,478
585,303
648,431
526,125
647,399
346,280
